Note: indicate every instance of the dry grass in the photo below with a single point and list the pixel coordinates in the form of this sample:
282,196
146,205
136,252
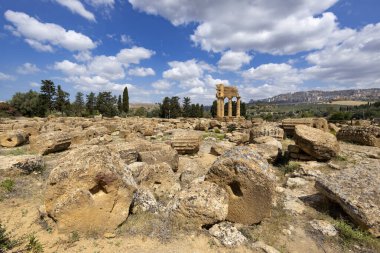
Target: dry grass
349,102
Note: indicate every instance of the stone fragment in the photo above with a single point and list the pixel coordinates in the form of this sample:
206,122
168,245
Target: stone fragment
218,148
227,234
21,164
263,246
157,153
144,201
89,191
186,142
316,143
249,182
201,204
266,130
13,138
238,137
363,135
51,142
324,227
357,191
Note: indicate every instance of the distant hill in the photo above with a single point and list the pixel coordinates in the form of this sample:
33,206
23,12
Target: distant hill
317,96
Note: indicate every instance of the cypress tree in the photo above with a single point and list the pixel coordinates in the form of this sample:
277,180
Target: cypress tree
119,104
125,100
213,109
186,107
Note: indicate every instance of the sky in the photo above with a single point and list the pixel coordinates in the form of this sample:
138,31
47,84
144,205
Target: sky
185,47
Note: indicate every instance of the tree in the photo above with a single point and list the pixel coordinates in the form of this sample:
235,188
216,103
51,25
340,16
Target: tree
28,104
175,108
78,105
62,102
125,100
243,109
165,108
186,107
119,104
193,111
106,104
214,109
201,109
47,96
91,103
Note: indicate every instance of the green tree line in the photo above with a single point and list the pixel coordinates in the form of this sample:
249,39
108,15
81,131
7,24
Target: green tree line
53,99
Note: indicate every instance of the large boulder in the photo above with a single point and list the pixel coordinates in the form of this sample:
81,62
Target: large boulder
238,137
13,138
218,148
317,143
249,181
357,191
51,142
364,135
157,153
227,234
186,142
158,178
202,203
89,191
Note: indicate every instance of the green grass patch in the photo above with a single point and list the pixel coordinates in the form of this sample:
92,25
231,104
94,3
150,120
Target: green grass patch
6,243
8,185
217,136
351,235
34,245
340,158
290,167
15,152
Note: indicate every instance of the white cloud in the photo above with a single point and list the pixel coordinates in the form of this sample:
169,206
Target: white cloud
354,62
141,72
161,85
77,7
101,3
42,36
4,77
83,56
233,61
126,39
107,66
134,55
70,68
271,26
28,68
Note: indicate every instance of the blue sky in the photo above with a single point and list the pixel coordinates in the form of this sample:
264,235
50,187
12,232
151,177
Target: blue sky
165,48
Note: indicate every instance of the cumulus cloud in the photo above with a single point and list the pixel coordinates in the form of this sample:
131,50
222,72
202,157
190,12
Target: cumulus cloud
141,72
101,3
233,61
134,55
77,7
353,62
4,77
161,85
101,72
28,68
43,36
271,26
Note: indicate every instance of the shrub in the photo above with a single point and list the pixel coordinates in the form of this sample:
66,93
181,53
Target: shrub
34,245
5,242
8,185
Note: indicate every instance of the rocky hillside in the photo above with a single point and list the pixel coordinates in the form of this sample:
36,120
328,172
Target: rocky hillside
317,96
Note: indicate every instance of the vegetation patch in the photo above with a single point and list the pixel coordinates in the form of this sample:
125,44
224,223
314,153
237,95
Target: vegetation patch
8,185
6,243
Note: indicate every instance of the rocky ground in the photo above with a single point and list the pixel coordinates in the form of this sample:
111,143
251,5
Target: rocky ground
141,186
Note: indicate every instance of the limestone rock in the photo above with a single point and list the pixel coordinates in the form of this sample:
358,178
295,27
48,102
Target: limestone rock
357,191
320,145
289,125
249,181
51,142
364,135
200,204
263,246
202,125
238,137
13,138
157,153
186,142
268,147
127,152
227,234
144,201
158,178
218,148
190,169
324,227
89,191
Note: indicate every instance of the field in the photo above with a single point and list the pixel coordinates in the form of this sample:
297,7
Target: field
349,102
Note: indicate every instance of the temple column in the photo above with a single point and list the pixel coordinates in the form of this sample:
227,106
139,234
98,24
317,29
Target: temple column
238,107
222,107
218,107
229,107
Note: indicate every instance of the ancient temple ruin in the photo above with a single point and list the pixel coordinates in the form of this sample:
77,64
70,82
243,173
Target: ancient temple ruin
229,92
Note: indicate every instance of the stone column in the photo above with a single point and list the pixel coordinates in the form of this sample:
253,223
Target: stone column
218,107
229,107
222,107
238,107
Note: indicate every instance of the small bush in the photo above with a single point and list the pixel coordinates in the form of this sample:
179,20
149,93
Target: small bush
291,167
5,242
34,245
341,158
8,185
231,128
74,237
